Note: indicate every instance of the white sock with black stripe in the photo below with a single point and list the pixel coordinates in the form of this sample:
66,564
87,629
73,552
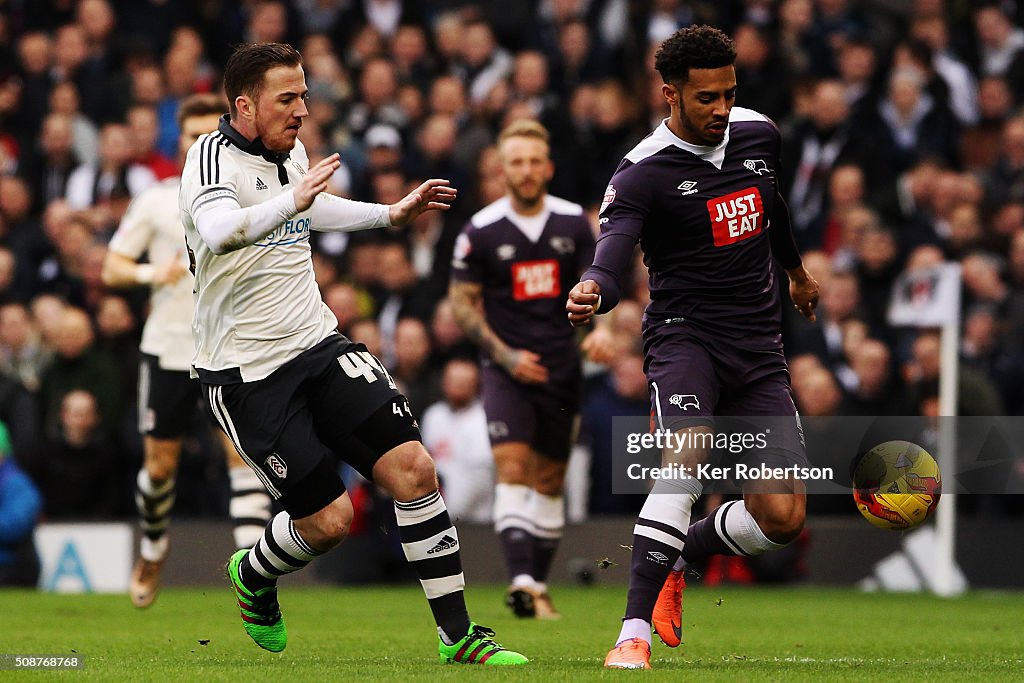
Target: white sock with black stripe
249,506
728,530
280,550
431,546
154,503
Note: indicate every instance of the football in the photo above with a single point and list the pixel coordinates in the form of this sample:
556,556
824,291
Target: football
896,485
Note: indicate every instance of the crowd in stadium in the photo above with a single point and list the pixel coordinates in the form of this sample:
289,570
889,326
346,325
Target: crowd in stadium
903,139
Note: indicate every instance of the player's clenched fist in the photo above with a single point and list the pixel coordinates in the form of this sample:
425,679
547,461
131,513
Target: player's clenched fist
583,302
315,182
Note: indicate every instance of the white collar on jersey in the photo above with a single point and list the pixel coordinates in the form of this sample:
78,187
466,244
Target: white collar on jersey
662,136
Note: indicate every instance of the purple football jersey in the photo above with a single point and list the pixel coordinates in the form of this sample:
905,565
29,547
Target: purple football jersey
702,216
527,267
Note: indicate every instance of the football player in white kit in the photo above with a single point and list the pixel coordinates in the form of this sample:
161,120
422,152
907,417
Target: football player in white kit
167,396
294,395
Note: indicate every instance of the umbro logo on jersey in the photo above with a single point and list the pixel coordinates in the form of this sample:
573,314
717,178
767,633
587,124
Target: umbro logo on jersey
657,558
506,252
260,185
446,543
688,187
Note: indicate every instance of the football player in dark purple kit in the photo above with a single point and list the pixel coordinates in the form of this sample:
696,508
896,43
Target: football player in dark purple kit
701,196
513,267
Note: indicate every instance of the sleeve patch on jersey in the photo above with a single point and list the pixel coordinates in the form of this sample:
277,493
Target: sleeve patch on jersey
535,280
212,195
609,197
736,216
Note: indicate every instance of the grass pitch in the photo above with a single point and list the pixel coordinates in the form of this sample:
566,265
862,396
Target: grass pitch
386,634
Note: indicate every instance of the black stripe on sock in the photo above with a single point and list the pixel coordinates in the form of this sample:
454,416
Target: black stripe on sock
419,503
281,553
519,518
725,531
249,521
236,493
299,541
265,561
438,567
661,526
425,529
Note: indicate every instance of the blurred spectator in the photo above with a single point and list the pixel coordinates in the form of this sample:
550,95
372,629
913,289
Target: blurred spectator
963,89
34,57
20,505
909,124
875,392
47,171
980,144
415,377
758,70
21,233
345,303
450,341
76,466
977,395
79,364
64,100
1005,179
815,390
23,356
986,350
621,392
367,332
144,131
401,294
112,182
815,147
377,101
455,432
857,64
482,62
1000,42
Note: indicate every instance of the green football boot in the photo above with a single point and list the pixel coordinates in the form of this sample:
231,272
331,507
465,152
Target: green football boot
261,615
478,648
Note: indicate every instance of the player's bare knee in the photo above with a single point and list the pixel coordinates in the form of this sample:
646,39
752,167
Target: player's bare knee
407,471
513,464
550,478
782,521
161,459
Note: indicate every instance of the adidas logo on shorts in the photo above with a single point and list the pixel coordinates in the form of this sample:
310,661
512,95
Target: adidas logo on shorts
446,543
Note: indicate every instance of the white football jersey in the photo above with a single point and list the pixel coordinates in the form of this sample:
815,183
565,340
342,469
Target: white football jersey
152,224
256,307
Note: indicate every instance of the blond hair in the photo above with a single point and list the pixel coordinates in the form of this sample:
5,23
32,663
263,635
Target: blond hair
524,128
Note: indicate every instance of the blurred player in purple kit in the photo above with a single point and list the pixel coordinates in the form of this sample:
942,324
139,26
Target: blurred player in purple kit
700,195
513,266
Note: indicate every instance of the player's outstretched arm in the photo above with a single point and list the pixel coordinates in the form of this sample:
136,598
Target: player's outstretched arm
467,307
584,301
434,194
121,271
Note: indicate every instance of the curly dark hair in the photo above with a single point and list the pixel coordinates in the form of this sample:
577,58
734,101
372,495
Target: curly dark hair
694,47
